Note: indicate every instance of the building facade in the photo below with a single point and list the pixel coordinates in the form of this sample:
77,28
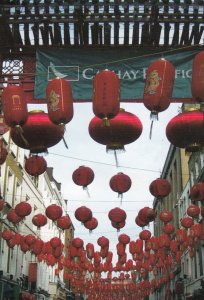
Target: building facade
24,270
182,170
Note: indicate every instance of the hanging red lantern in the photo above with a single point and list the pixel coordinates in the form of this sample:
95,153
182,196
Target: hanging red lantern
83,214
117,215
140,223
7,234
29,239
197,192
165,216
120,249
125,128
39,133
118,225
159,86
55,242
197,77
187,222
147,214
106,94
91,224
120,183
103,241
23,209
60,101
39,220
78,243
3,152
160,188
124,239
193,211
13,217
64,222
145,235
83,176
168,228
90,250
186,130
53,212
14,106
35,165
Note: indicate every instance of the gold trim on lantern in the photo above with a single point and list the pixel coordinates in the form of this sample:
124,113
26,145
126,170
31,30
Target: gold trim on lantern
35,111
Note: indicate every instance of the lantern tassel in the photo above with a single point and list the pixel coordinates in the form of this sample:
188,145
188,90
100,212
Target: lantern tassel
106,121
19,130
153,117
65,143
116,158
87,191
120,195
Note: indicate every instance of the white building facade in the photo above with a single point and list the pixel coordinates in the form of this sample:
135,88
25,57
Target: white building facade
40,192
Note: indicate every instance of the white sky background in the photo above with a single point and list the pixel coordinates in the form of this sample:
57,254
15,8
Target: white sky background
143,161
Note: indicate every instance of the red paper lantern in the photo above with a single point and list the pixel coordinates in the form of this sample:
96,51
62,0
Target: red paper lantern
145,235
147,214
55,242
198,77
3,152
23,209
13,217
193,211
197,192
90,250
78,243
186,130
106,94
140,222
120,249
159,86
103,241
64,222
124,239
168,228
83,176
60,101
14,106
118,225
83,214
7,234
160,188
120,183
91,224
39,220
117,215
165,216
53,212
29,239
125,128
35,165
187,222
39,133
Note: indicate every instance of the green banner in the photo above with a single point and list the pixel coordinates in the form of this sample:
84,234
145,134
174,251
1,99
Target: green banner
79,67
